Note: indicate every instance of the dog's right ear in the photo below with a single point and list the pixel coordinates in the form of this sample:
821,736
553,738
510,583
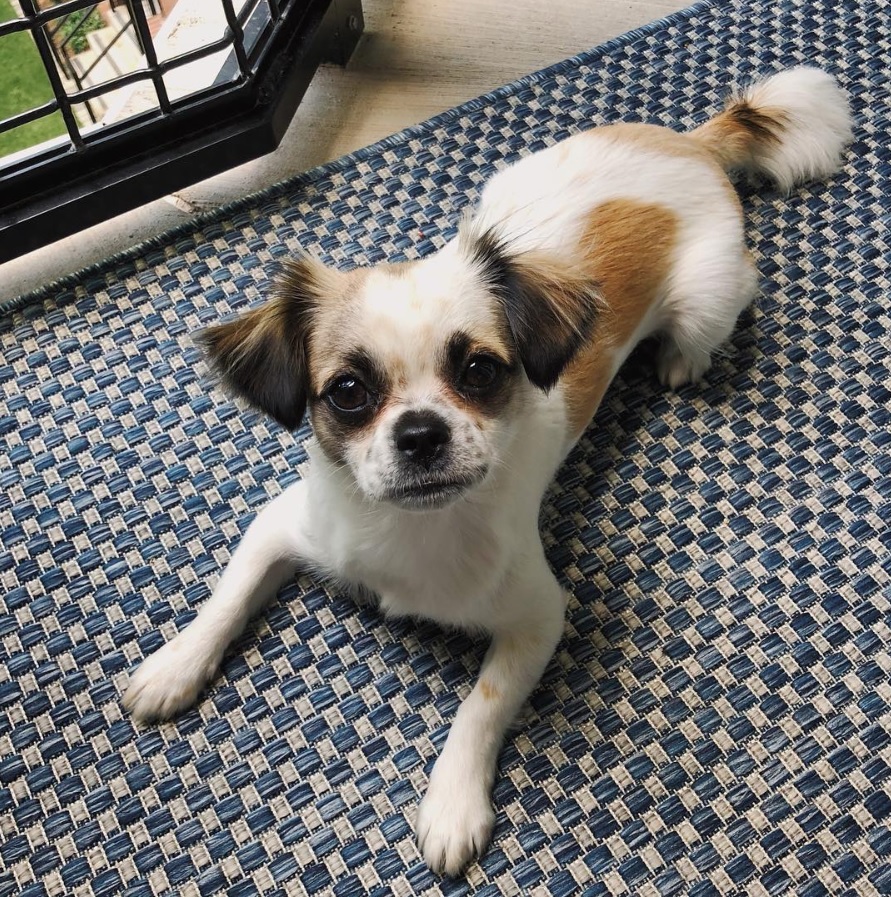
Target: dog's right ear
261,355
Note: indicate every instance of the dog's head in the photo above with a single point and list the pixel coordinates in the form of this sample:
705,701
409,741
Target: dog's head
416,374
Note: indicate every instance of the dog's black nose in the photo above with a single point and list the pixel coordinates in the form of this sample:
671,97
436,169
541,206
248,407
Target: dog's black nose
421,436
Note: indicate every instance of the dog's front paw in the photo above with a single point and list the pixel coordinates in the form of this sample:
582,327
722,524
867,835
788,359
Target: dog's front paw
455,822
169,681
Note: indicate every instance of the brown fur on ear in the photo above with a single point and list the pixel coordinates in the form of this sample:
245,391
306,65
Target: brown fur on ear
261,355
550,309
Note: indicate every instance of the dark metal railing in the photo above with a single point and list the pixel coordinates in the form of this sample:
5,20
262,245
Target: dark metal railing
66,63
154,8
68,184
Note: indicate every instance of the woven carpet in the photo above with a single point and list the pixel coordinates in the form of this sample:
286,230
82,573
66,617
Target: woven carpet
717,720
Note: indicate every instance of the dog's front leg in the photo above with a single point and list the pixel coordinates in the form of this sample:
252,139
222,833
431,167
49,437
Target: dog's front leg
455,818
273,546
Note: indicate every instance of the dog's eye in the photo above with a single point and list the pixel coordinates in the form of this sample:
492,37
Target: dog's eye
349,394
480,373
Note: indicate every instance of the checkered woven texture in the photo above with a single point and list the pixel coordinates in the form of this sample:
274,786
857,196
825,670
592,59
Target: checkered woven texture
717,719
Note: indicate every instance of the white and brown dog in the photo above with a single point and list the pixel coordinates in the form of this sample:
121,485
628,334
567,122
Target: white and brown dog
444,393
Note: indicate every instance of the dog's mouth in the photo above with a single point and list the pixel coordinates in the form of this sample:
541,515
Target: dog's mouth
429,494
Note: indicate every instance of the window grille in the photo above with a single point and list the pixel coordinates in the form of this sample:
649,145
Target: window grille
148,96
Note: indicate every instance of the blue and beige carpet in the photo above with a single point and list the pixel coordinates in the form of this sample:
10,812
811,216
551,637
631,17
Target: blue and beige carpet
717,720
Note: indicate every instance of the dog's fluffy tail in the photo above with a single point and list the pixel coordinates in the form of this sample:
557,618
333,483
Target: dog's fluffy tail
791,127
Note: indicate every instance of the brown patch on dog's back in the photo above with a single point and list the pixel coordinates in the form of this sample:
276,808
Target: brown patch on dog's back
628,248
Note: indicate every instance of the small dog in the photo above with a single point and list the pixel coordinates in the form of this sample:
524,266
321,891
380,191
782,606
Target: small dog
444,393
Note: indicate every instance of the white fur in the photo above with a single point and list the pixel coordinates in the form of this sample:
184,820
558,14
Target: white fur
478,562
817,125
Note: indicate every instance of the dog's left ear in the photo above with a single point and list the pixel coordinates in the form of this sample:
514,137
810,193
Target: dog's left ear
550,309
262,355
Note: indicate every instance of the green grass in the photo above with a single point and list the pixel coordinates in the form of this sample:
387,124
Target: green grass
77,25
23,85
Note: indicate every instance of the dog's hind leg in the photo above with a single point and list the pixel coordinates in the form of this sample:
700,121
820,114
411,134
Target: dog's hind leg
709,289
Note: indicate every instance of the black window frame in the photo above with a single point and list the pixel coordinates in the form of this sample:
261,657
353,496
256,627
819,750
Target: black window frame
59,191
